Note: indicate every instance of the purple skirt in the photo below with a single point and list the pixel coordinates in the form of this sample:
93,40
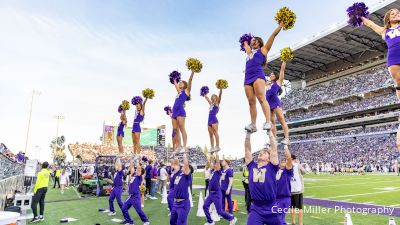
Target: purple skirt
212,120
136,128
120,131
181,113
393,56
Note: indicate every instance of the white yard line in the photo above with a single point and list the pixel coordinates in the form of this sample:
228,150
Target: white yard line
346,200
394,205
340,185
367,203
370,193
77,194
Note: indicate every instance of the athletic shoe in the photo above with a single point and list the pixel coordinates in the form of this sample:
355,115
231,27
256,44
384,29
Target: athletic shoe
233,222
251,128
142,206
153,198
285,141
182,150
146,223
210,223
41,218
217,149
267,126
211,150
35,220
112,214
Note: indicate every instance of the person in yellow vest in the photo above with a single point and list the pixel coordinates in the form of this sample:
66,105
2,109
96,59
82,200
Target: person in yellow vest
245,182
40,189
57,177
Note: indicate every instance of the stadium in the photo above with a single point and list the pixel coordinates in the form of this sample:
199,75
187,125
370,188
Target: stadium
341,108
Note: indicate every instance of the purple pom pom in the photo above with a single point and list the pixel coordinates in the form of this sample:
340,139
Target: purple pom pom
120,108
167,109
137,100
243,38
144,159
175,75
355,12
204,91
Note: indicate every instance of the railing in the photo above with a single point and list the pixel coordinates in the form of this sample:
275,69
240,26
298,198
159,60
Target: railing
11,178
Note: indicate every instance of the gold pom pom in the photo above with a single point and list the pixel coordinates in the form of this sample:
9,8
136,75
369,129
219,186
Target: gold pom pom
142,188
222,84
286,54
194,64
287,17
125,105
148,93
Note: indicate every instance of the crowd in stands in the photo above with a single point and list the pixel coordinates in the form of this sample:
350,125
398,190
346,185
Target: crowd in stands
391,127
87,152
10,164
358,83
346,107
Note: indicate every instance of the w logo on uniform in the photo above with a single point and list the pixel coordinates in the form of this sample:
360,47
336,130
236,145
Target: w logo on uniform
259,175
393,33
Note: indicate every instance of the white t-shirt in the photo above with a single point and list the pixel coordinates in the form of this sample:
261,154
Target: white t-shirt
207,174
64,179
163,174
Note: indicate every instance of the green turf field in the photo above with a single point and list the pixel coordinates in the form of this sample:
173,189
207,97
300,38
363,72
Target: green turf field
370,189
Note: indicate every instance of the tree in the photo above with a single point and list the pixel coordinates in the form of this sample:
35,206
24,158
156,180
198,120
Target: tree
58,146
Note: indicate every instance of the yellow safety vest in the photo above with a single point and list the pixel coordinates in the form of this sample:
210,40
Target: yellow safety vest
245,175
42,179
57,173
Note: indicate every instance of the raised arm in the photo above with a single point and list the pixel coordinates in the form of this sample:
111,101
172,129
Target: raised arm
247,48
138,169
220,96
189,87
217,163
177,86
267,46
143,106
208,99
186,168
282,74
369,23
273,155
247,149
288,156
118,165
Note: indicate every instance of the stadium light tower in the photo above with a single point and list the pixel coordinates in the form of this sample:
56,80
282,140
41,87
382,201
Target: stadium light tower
58,118
34,92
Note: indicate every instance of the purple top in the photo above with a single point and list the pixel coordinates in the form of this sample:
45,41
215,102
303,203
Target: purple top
262,181
215,177
134,185
149,173
179,102
254,69
225,178
138,118
181,185
283,189
172,181
118,178
392,37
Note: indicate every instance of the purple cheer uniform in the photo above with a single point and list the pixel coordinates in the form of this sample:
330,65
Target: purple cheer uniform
134,200
117,190
181,206
272,96
136,123
226,174
178,109
283,193
120,131
254,68
212,116
392,38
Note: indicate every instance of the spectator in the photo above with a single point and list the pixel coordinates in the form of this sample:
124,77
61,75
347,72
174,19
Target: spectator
39,191
297,190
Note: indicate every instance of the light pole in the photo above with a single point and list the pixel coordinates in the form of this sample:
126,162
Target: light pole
34,92
58,118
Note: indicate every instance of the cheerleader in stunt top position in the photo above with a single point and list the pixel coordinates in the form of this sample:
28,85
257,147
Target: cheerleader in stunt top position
262,183
120,133
390,32
214,102
275,103
178,111
136,129
254,82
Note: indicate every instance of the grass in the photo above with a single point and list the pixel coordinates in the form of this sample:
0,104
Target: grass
368,188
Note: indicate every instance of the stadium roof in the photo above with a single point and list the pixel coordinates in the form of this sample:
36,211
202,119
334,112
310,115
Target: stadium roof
336,48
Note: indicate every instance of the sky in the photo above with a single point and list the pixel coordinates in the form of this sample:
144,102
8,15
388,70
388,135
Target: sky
85,57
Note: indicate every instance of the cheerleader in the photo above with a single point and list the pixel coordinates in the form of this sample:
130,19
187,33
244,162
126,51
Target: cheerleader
214,103
178,111
120,133
254,82
175,138
390,32
174,169
117,190
134,198
275,103
181,205
215,195
283,178
136,129
262,183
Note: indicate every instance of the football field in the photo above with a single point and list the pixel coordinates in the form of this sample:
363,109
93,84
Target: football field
326,198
